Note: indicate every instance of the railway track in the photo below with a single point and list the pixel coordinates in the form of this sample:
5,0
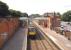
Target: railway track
40,42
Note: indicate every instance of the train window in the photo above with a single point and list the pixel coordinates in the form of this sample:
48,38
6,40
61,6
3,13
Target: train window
32,29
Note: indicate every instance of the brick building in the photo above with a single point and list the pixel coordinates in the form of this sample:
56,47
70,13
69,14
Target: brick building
54,19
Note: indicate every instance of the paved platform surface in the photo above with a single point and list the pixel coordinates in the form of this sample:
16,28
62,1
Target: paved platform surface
18,42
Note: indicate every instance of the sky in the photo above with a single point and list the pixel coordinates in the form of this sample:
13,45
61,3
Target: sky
39,6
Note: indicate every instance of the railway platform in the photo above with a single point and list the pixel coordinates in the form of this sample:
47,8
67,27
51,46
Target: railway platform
62,42
18,42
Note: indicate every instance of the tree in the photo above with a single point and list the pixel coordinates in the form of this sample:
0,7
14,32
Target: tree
3,9
58,14
66,16
24,15
15,13
35,15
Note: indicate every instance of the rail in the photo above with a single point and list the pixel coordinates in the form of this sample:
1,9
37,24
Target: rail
40,42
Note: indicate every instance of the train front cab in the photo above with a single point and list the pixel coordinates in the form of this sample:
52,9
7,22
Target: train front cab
32,32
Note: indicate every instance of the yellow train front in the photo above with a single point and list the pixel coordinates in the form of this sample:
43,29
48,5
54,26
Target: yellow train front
32,32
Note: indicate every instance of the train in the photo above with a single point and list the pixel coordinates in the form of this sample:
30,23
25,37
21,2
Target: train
32,32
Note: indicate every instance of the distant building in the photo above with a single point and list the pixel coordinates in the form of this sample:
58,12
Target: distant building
48,14
54,18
